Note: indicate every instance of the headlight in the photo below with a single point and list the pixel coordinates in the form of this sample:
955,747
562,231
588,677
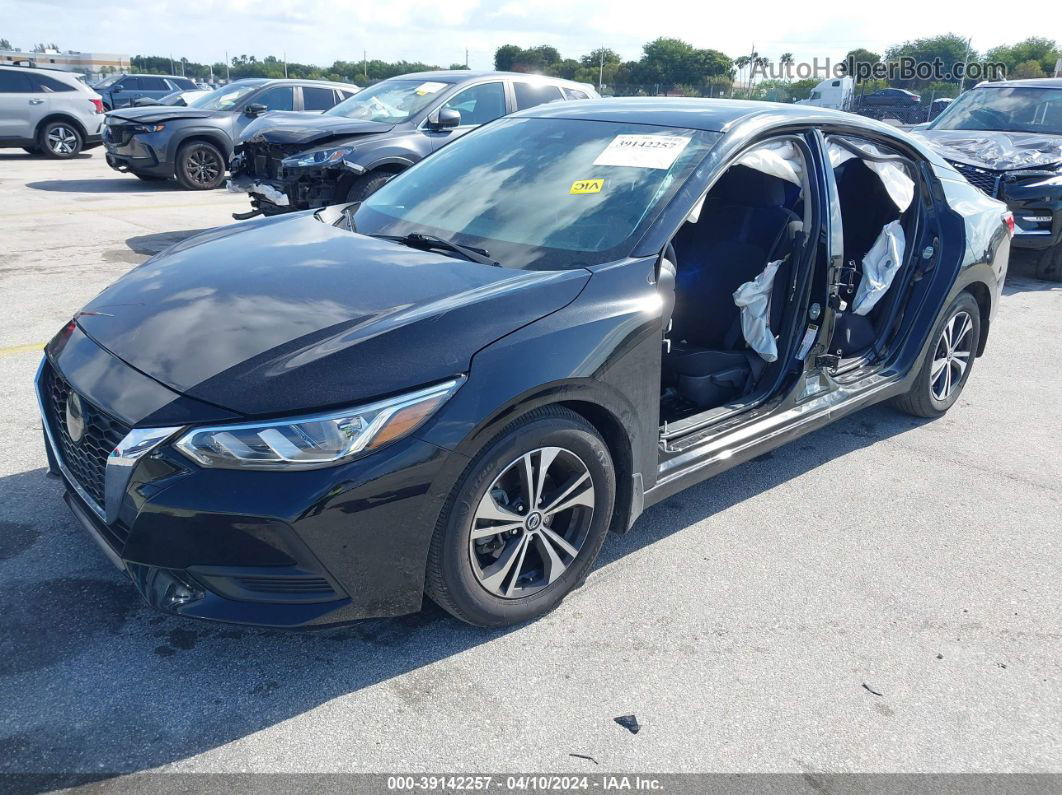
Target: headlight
319,158
317,441
149,128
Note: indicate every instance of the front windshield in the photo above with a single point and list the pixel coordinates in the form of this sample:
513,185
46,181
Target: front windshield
1009,109
224,98
542,194
392,101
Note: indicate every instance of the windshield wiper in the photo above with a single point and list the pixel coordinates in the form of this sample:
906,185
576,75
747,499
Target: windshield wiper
426,242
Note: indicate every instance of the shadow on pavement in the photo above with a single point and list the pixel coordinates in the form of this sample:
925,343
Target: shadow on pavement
124,184
94,682
153,244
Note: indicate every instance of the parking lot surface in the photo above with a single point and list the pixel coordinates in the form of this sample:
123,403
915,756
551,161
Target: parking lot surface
882,595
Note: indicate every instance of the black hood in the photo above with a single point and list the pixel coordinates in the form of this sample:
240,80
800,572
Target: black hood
307,128
291,314
156,113
999,151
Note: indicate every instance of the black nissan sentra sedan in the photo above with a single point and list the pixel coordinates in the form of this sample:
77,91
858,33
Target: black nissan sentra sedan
458,386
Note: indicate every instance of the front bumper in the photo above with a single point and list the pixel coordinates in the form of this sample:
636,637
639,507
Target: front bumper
279,549
135,156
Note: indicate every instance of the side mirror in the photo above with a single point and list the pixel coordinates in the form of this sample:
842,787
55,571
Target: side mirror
255,109
115,89
444,119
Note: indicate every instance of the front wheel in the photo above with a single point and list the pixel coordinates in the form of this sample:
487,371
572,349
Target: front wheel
947,367
61,140
200,166
367,184
525,521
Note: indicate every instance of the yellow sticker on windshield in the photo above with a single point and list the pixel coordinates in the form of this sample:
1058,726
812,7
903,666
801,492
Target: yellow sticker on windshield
587,186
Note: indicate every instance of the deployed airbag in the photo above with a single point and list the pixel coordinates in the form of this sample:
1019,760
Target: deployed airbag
754,300
779,159
893,175
879,267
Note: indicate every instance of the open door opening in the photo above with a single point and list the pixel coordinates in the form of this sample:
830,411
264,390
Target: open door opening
739,269
880,219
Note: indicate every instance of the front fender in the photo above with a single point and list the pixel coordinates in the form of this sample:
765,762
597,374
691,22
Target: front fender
213,134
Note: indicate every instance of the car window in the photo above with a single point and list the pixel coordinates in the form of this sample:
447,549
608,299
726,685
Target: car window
277,98
479,104
317,98
224,98
530,94
344,95
130,84
393,101
574,93
14,83
184,82
153,84
541,193
1013,108
50,84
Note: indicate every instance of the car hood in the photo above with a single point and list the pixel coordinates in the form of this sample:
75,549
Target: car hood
291,314
156,113
999,151
307,128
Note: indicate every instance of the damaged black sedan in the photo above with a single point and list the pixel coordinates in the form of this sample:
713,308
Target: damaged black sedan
458,386
303,161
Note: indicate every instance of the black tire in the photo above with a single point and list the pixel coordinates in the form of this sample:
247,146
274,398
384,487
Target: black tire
1049,264
31,150
451,580
200,166
60,140
366,185
924,398
149,177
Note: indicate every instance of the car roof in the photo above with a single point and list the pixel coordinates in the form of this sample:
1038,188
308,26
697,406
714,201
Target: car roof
460,75
1036,82
293,80
714,115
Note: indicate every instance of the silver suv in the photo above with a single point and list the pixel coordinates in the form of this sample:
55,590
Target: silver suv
48,111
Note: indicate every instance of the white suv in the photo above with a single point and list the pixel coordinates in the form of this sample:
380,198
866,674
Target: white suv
48,111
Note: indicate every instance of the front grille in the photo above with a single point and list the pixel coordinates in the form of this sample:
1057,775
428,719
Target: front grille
86,459
264,159
118,134
982,178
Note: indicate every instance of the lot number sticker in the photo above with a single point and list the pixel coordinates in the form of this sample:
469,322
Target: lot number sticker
587,186
429,88
642,151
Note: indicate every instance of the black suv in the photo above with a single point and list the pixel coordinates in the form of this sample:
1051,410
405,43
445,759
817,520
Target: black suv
121,91
297,162
1006,138
195,143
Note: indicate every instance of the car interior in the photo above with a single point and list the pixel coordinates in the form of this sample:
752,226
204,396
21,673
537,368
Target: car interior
730,282
876,188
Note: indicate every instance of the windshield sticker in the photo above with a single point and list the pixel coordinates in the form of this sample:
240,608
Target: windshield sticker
587,186
429,88
642,151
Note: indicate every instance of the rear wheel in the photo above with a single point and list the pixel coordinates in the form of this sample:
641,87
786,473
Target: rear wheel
60,139
1049,264
950,360
200,166
525,522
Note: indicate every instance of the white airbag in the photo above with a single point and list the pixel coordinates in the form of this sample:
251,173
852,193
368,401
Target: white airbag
879,267
898,185
754,300
780,159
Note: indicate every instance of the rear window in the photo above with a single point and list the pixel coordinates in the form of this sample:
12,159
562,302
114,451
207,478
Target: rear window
314,98
184,82
14,83
153,84
51,84
528,95
574,93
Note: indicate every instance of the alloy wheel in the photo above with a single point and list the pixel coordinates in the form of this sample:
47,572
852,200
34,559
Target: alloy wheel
62,140
531,523
203,166
951,356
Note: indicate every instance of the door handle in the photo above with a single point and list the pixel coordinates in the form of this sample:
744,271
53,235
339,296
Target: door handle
36,101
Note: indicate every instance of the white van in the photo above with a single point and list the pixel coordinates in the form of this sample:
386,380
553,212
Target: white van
833,93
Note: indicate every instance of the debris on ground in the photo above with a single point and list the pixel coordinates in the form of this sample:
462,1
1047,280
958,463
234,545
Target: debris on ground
584,756
869,689
629,722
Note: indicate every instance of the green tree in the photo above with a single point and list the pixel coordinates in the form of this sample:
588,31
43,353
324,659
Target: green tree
857,56
949,48
801,89
594,58
1026,70
505,56
1041,50
5,45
